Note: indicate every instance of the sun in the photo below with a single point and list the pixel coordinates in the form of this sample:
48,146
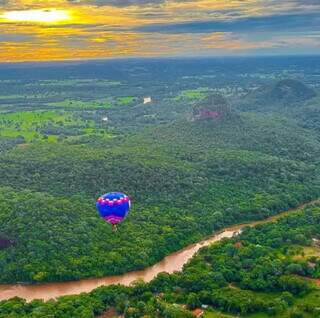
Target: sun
38,16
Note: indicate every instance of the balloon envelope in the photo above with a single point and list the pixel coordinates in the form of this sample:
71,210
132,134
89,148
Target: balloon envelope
113,207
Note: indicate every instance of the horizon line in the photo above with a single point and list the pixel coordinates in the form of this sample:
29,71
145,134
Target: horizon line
174,57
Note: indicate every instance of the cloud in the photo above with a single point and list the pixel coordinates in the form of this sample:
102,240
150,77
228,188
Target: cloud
117,3
307,2
16,37
114,28
283,23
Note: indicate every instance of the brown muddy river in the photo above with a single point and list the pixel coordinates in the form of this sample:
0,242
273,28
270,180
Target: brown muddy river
171,263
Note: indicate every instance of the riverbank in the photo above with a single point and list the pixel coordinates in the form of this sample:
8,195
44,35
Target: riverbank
171,263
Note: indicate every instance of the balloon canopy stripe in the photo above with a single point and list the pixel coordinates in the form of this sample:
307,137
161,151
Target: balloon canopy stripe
113,219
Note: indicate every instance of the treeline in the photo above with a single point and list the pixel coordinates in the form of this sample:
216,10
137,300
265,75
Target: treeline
255,272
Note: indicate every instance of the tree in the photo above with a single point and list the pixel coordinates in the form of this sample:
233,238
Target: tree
193,301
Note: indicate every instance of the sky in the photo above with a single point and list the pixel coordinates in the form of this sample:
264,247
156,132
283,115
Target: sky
43,30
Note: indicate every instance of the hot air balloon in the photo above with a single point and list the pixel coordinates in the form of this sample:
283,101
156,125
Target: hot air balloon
113,207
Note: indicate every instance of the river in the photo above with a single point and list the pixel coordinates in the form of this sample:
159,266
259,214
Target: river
172,263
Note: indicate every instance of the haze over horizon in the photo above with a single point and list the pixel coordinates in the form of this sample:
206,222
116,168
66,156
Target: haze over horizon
82,29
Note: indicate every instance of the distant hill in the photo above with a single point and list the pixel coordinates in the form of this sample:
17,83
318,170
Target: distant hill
289,90
286,93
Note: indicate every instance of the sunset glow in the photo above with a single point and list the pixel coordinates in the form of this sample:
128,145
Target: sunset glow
40,16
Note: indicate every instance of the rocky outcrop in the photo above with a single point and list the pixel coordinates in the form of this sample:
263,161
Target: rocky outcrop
213,107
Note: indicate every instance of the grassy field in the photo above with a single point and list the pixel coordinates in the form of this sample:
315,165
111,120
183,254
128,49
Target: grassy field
28,118
30,125
80,104
104,103
193,94
307,251
126,100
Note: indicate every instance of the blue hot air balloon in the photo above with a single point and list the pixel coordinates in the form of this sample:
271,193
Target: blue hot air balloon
113,207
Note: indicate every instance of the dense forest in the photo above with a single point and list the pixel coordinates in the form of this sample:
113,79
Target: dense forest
271,270
187,175
186,179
